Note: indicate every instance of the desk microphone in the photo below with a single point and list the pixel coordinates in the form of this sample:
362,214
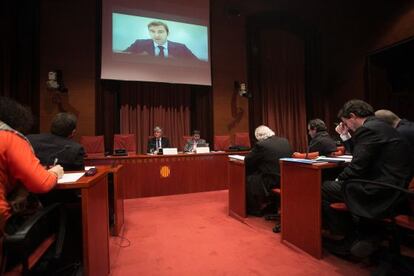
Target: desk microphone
91,172
54,156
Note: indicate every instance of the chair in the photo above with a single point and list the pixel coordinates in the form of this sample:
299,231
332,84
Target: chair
221,142
125,141
24,248
276,192
94,145
242,139
309,155
393,258
339,151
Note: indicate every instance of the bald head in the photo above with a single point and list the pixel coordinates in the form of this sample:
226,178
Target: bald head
388,116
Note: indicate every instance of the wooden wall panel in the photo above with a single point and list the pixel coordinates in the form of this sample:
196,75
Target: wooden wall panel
349,30
68,43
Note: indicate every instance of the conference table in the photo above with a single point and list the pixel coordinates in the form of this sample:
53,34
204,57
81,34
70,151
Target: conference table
158,175
301,214
95,226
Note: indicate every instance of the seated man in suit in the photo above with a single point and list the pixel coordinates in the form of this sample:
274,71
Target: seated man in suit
157,142
321,140
159,46
192,143
262,168
379,154
403,126
58,144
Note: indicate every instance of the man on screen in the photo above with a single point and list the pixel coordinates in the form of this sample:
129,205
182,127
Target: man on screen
159,45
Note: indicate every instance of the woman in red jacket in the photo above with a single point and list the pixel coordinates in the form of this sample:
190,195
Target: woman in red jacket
19,167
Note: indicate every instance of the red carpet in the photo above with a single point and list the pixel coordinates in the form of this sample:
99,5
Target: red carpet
192,234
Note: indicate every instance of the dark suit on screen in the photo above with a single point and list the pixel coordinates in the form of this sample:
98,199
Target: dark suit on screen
262,168
152,144
175,50
48,146
323,143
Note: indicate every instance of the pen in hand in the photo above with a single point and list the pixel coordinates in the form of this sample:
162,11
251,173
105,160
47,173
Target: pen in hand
55,162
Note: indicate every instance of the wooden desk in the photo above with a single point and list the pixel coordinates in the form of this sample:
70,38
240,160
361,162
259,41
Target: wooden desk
95,227
157,175
301,205
237,189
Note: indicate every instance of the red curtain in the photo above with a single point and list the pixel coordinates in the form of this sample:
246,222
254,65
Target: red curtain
146,105
278,80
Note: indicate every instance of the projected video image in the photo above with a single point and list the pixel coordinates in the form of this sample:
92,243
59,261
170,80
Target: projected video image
158,38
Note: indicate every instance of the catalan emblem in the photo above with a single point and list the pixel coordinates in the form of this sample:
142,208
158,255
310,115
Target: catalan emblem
165,171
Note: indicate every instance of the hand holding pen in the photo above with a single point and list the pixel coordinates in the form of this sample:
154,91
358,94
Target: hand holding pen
57,169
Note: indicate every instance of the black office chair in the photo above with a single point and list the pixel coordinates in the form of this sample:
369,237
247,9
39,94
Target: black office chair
392,259
23,249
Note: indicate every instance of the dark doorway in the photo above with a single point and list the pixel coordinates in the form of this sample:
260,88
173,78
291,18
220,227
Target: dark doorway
390,78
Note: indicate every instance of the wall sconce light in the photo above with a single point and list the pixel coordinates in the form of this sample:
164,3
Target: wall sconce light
241,88
55,81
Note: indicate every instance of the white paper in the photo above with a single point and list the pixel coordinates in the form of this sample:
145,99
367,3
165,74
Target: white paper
333,159
299,160
237,157
70,177
89,167
345,156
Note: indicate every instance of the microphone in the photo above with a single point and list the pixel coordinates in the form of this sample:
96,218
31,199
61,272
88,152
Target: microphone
54,156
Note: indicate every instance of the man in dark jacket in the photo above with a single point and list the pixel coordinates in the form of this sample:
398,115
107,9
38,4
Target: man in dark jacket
321,141
403,126
157,142
159,46
379,154
262,167
58,146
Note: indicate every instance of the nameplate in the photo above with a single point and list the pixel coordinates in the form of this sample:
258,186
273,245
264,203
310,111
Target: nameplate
202,149
169,151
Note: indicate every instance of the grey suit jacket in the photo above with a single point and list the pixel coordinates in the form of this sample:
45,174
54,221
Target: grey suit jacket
190,144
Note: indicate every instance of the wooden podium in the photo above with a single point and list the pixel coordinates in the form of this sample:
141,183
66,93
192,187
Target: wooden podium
301,205
237,189
95,226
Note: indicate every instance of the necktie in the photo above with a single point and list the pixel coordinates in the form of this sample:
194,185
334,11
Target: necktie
161,51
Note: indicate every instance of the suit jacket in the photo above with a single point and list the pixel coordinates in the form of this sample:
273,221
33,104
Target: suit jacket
175,49
190,144
323,143
406,129
263,162
152,144
379,154
47,147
